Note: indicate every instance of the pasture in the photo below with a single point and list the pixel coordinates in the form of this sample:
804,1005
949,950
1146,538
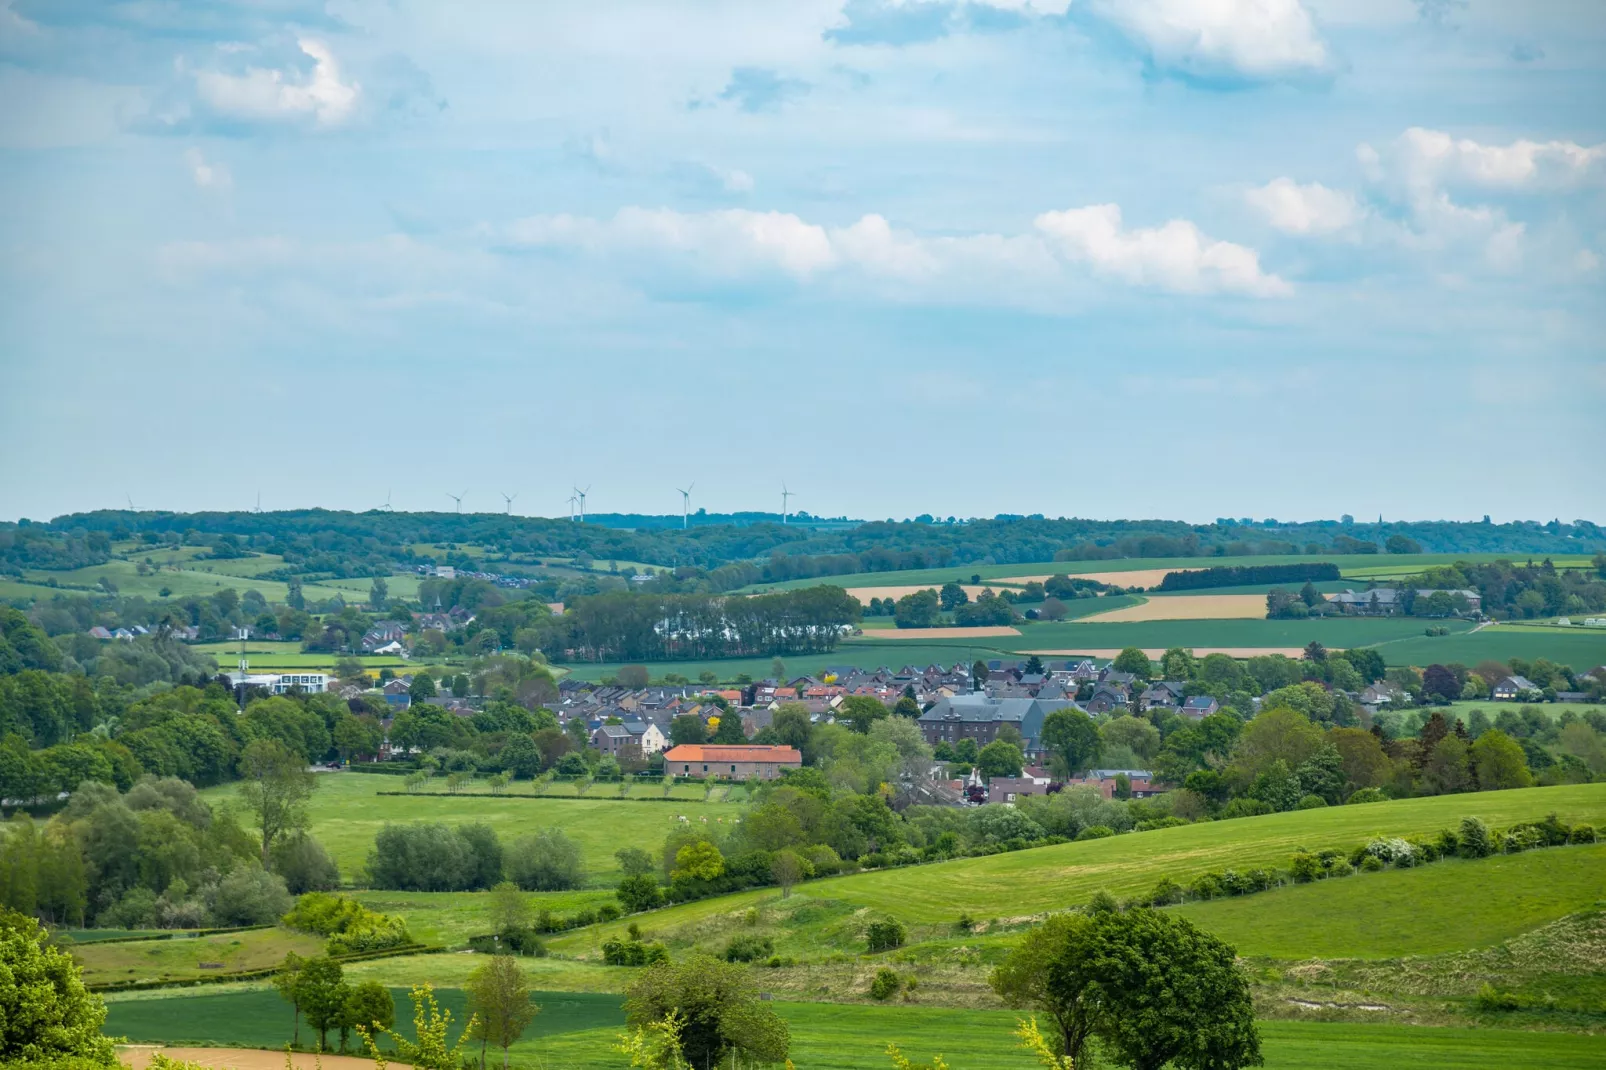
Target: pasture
1577,648
182,959
1025,883
347,811
578,1030
1453,905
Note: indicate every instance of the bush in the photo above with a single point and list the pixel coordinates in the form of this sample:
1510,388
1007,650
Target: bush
1366,795
250,895
1474,839
885,985
1582,834
1523,839
747,947
1160,823
1491,998
1245,808
1306,867
1166,893
430,857
1310,802
1371,864
547,861
633,953
1095,832
885,935
304,865
1206,886
510,941
639,893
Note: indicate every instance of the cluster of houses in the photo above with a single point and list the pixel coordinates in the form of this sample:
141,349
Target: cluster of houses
1390,601
128,635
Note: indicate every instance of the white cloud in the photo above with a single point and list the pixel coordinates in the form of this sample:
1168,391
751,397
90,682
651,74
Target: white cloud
742,244
1258,39
1422,159
1304,209
270,95
1175,256
207,176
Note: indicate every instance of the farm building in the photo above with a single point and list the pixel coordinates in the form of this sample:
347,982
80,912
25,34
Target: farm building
733,762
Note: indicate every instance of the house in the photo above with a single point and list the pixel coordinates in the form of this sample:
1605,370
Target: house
1378,602
731,762
98,632
1512,687
1162,693
1381,693
396,693
384,634
1141,782
615,741
648,737
1006,789
1107,697
279,683
1199,707
980,717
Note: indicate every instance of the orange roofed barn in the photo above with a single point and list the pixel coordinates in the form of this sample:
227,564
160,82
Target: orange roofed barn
733,762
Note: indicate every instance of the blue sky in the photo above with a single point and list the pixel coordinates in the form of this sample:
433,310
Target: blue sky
1180,258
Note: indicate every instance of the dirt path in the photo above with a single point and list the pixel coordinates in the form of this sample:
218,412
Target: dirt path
138,1056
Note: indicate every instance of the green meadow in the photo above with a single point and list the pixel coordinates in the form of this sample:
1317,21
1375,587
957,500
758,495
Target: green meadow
1024,883
1578,648
347,811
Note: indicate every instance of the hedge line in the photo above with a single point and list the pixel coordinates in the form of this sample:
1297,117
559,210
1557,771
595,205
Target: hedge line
257,975
173,934
1245,575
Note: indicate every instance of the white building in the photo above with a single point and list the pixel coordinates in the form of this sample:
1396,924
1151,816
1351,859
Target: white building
279,683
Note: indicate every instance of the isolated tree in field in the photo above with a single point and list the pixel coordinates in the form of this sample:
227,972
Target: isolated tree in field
1134,661
718,1007
1048,971
1072,740
322,993
547,861
46,1013
378,593
1169,993
633,861
700,861
787,869
999,758
499,1000
952,596
288,983
917,610
508,908
275,785
369,1006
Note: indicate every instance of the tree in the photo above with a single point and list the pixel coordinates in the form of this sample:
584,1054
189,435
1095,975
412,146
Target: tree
288,981
369,1007
1047,971
729,729
275,785
952,596
638,892
1072,740
1169,993
1276,734
861,711
1136,733
547,861
1498,762
717,1006
978,675
999,758
632,676
499,1000
787,868
1439,682
46,1013
1134,661
633,861
508,908
321,994
422,689
687,728
906,707
431,1026
917,610
304,865
378,593
1034,666
700,861
520,756
1402,544
1178,664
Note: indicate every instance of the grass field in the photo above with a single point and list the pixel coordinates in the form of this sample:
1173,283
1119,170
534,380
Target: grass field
1447,906
451,918
181,959
347,811
1024,883
1577,648
578,1030
266,654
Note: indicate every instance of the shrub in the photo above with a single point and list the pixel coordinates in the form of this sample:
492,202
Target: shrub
1306,868
1102,902
250,895
1245,808
1166,892
1523,839
430,857
1491,998
547,861
1582,834
1392,850
1371,864
885,935
1446,843
1206,886
749,948
885,985
1366,795
1095,832
639,893
304,865
1310,802
1474,839
1160,823
633,953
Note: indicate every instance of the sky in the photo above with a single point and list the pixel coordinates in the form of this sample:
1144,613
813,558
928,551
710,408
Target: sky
1100,258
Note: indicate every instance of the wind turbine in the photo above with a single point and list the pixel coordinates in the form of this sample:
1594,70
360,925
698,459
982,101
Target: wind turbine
509,499
685,504
458,498
386,507
130,498
581,495
786,496
572,500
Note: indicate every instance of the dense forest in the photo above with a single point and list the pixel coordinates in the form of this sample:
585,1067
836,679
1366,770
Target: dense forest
344,544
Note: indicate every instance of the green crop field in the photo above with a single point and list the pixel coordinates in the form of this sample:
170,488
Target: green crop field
1023,883
578,1030
1446,906
264,654
347,811
1335,632
1577,648
148,960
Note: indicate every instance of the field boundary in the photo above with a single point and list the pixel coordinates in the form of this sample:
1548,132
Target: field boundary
174,934
257,974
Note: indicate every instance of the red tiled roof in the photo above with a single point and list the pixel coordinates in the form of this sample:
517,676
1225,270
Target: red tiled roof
693,752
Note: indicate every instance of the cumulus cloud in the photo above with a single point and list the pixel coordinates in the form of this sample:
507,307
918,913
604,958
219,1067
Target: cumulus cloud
1175,256
207,176
273,95
1304,209
744,245
1422,159
1252,39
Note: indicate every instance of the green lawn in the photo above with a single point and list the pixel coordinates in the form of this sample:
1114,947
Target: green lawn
147,960
577,1030
1024,883
1446,906
346,812
450,918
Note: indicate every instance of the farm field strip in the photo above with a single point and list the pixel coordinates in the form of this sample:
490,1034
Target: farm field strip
1188,607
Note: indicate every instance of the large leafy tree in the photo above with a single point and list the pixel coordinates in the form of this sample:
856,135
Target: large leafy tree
718,1007
999,758
275,785
1047,971
46,1013
1072,740
499,1000
1169,993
